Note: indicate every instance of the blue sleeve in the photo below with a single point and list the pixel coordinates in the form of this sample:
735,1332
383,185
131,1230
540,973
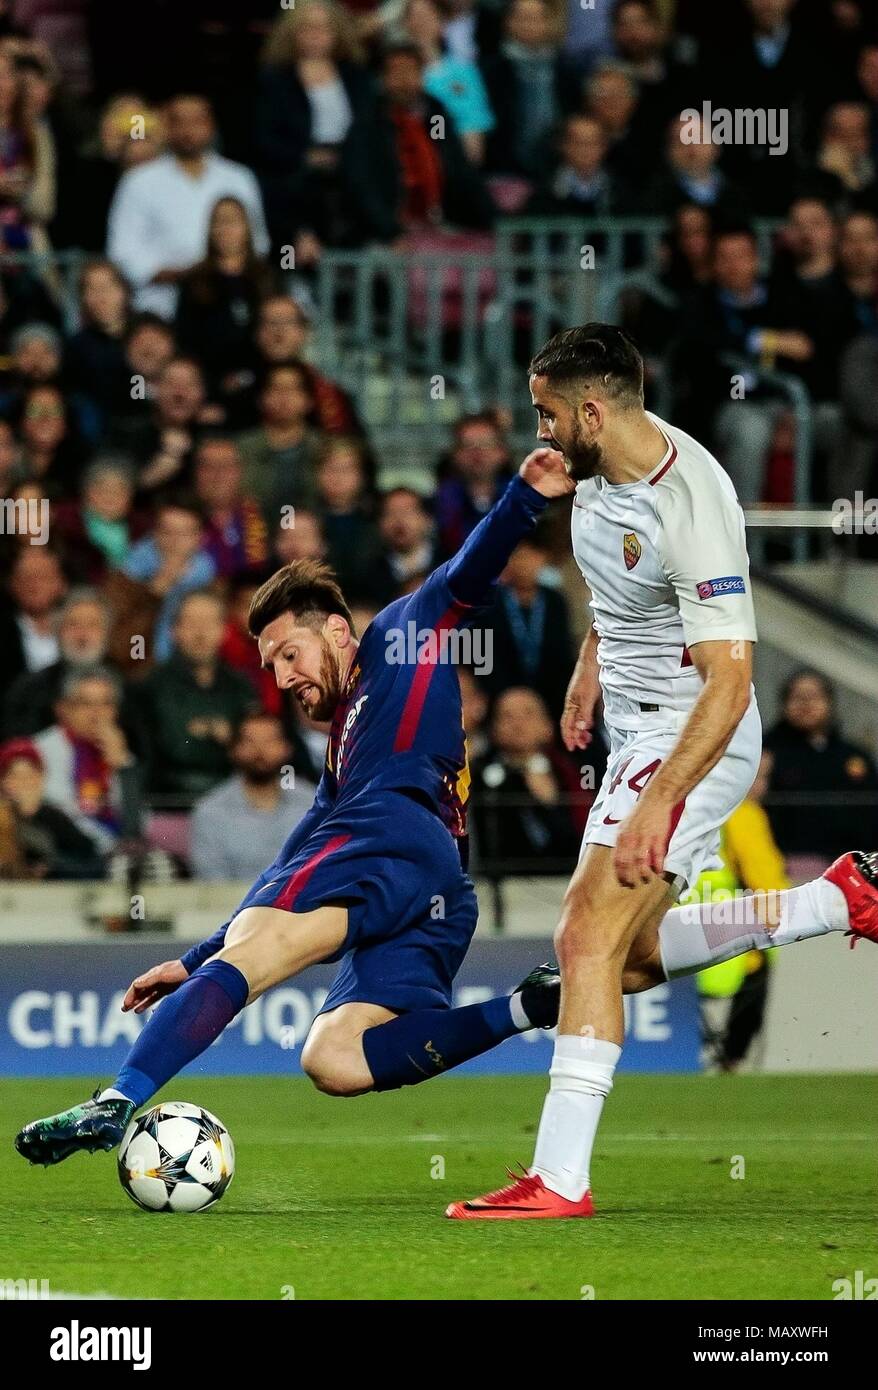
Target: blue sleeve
197,955
469,578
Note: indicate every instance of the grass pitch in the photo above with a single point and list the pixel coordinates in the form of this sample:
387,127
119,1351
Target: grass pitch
343,1199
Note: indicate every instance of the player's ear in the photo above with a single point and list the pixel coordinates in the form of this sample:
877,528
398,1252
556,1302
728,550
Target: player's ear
337,631
591,415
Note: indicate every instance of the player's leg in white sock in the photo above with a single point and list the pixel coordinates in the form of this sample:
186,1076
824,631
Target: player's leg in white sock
600,921
581,1077
692,937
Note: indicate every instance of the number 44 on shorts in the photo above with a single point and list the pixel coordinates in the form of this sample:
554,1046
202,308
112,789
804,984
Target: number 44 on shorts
636,782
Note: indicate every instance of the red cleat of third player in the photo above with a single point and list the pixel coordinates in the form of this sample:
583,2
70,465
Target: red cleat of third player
525,1199
856,874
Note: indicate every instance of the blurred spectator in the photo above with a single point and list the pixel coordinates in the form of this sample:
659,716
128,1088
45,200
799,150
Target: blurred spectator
479,469
95,534
238,649
581,183
523,792
82,633
129,133
690,173
279,455
52,846
27,165
823,789
161,438
611,98
171,563
351,536
160,213
189,706
282,333
149,347
650,311
312,89
867,78
732,325
856,461
299,537
641,44
858,256
526,89
91,773
35,349
220,297
398,177
770,63
51,447
532,645
235,533
247,819
11,466
409,555
812,284
474,710
455,82
95,363
845,150
28,635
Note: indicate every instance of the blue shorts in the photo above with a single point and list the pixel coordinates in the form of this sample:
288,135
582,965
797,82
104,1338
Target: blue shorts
412,910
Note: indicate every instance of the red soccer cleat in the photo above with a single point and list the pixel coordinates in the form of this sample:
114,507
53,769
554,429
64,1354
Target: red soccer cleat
525,1199
856,874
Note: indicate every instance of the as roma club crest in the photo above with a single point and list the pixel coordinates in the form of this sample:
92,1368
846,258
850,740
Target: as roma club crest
631,549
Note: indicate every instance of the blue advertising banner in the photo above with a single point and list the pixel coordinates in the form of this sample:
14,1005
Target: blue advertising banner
60,1014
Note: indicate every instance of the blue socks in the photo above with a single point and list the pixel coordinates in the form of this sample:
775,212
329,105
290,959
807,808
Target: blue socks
182,1027
419,1045
403,1052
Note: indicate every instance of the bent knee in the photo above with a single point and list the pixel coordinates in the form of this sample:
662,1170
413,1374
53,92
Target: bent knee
336,1071
580,938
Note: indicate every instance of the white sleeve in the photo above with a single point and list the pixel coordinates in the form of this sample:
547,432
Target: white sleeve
132,241
703,549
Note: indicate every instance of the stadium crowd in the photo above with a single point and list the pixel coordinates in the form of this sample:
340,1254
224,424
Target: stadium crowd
200,159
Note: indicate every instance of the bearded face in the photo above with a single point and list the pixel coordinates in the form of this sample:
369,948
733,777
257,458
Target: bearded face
582,456
305,663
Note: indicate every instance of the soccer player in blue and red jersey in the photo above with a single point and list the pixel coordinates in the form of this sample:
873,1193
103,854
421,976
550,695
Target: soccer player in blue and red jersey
374,876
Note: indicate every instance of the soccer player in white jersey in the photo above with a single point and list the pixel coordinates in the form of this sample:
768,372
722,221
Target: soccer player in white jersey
659,537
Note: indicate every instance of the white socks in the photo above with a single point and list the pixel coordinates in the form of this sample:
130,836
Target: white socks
702,934
690,939
111,1094
519,1017
581,1077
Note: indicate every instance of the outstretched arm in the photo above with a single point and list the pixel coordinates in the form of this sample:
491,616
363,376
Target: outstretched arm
472,573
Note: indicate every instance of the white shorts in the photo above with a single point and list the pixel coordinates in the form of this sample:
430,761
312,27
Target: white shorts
635,754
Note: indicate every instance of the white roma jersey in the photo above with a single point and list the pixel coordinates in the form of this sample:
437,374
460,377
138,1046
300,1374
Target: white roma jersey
665,559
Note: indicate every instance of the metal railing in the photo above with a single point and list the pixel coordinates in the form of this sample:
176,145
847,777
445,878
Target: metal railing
417,336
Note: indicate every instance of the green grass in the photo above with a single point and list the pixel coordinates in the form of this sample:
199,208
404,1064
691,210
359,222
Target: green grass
335,1197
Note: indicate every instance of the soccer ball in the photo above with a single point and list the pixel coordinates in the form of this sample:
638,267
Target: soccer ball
176,1157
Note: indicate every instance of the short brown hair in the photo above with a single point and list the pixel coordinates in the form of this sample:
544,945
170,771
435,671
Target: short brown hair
596,355
308,589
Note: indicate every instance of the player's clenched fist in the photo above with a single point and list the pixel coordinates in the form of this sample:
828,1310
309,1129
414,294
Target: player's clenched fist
545,471
149,988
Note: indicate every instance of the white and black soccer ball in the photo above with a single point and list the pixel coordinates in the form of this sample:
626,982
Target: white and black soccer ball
176,1157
